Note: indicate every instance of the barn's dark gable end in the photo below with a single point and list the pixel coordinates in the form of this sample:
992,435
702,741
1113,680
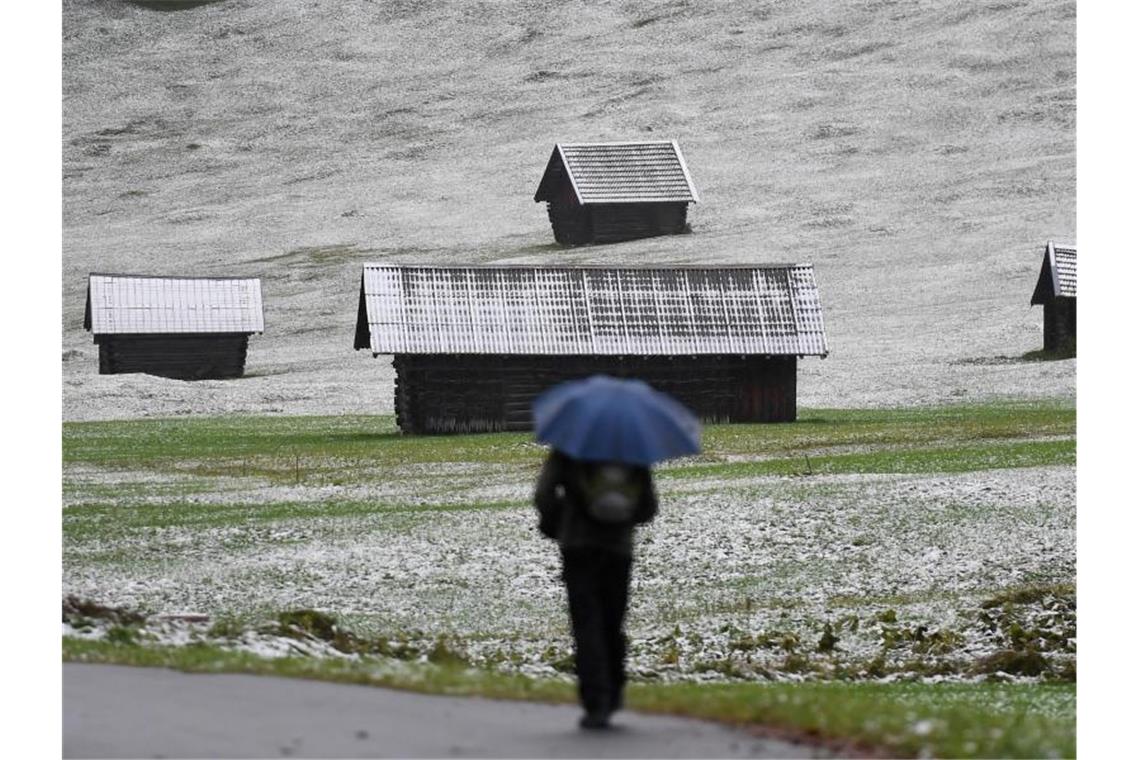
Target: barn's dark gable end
1057,291
608,192
179,327
473,346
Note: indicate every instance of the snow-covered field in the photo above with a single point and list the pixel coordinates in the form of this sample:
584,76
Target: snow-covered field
918,152
731,572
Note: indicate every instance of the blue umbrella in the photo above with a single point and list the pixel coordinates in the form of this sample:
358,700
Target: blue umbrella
604,419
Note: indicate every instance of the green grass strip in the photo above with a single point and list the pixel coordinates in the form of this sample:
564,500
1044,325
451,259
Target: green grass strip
337,450
962,458
375,439
368,439
904,719
908,719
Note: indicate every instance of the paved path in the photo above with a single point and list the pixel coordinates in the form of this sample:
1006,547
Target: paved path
113,711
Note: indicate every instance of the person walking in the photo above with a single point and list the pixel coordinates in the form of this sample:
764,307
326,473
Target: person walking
594,488
591,509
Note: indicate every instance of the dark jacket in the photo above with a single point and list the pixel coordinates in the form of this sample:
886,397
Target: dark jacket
562,514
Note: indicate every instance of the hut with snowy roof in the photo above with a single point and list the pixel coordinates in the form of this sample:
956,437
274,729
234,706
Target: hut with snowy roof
1057,291
607,192
473,346
187,328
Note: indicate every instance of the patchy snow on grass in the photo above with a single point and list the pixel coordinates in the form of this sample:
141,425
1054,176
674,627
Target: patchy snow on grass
757,577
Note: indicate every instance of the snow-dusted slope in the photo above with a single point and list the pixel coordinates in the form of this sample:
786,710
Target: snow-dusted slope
918,153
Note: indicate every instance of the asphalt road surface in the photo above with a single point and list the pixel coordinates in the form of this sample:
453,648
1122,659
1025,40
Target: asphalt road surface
112,711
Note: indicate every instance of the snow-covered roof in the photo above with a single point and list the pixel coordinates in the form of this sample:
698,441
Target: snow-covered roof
1058,276
127,303
769,309
624,172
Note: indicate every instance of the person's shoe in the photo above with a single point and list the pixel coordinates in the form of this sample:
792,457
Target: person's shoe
595,720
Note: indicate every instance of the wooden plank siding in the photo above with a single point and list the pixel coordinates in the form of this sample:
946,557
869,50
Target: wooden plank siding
212,356
575,224
464,393
571,222
1060,324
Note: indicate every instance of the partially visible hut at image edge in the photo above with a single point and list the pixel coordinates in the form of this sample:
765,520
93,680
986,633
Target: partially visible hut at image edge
608,192
473,346
185,328
1057,291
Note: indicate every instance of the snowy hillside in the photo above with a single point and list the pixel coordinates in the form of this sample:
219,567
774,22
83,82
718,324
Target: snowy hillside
918,153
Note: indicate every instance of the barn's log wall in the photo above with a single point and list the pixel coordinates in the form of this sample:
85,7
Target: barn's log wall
1060,325
177,356
570,221
614,222
576,224
481,393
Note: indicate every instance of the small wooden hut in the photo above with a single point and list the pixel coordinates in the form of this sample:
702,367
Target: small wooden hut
1057,291
185,328
473,346
607,192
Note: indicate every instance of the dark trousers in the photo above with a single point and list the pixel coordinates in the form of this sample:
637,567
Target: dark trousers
597,585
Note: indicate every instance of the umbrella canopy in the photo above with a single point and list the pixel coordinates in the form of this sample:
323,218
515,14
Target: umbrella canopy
604,419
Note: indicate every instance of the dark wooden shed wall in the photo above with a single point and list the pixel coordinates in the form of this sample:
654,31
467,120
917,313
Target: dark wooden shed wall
456,393
192,356
1060,324
576,224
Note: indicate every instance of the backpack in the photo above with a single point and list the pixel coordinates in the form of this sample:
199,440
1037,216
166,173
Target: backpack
610,492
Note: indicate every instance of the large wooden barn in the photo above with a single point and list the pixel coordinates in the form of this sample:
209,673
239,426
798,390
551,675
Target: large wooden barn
1057,291
186,328
473,346
607,192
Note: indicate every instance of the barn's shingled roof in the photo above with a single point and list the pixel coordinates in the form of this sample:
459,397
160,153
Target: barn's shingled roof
1058,277
126,303
627,172
771,309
